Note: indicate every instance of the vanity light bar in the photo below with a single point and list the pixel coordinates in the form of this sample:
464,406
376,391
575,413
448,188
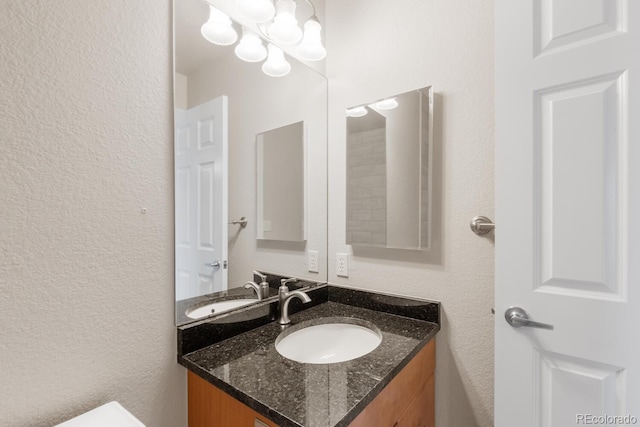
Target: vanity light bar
279,28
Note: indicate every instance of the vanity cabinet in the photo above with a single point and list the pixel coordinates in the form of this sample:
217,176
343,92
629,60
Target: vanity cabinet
407,401
211,407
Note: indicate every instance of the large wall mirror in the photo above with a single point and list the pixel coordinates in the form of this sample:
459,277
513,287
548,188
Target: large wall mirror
240,135
389,155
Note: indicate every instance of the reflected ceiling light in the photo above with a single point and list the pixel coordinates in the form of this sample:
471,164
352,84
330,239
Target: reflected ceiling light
219,29
250,48
385,104
276,65
256,10
310,48
278,29
284,28
357,112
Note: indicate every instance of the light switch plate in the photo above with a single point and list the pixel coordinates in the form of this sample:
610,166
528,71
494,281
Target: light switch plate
312,261
342,265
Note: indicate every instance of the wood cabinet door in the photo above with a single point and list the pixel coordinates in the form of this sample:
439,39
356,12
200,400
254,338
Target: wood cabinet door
421,411
415,381
211,407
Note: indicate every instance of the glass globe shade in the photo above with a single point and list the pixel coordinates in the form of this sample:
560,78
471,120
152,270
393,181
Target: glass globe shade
357,112
256,10
284,28
310,48
219,29
276,65
250,48
386,104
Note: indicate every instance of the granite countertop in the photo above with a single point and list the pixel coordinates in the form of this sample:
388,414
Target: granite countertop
248,367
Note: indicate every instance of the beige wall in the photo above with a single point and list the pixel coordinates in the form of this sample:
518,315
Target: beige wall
380,48
86,278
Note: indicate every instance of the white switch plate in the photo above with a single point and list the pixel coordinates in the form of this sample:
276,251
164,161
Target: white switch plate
342,265
312,261
266,225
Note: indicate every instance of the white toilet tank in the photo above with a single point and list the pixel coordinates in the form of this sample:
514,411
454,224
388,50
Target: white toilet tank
110,414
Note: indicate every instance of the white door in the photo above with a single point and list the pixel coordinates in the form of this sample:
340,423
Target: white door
568,211
201,199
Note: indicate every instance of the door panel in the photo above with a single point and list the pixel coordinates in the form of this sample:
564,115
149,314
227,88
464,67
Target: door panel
557,378
578,177
567,93
565,24
201,199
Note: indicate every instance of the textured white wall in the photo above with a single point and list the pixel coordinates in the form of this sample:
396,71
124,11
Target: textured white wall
86,278
380,48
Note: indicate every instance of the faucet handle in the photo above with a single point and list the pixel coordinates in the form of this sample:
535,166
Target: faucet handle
284,282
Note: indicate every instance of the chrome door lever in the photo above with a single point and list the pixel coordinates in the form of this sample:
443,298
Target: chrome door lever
481,225
517,317
214,264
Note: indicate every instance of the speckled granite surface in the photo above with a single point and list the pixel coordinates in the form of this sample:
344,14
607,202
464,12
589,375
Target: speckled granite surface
248,367
197,335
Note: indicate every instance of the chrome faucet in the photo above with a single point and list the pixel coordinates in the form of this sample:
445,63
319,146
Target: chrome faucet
286,297
255,287
264,285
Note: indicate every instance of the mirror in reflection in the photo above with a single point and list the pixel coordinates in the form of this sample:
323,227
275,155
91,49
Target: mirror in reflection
389,145
280,192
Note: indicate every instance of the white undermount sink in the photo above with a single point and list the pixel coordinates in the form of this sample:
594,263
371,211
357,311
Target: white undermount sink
218,307
328,343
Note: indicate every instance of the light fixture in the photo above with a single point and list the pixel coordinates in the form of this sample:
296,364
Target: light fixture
219,29
357,111
278,29
385,104
276,65
256,10
250,48
284,28
310,48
